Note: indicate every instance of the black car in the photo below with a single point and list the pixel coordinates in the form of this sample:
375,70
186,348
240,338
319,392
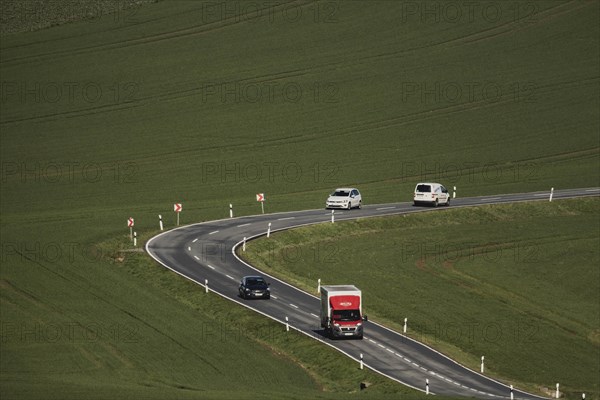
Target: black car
254,287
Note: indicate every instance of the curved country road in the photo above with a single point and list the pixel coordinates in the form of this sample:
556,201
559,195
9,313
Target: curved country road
205,252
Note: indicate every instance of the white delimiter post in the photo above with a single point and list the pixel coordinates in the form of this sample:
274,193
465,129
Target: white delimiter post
319,286
361,361
426,386
557,390
551,194
269,230
454,193
160,224
244,244
332,217
405,321
287,324
206,285
230,210
482,358
134,239
512,395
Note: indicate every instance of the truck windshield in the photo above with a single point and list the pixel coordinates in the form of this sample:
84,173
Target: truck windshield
346,315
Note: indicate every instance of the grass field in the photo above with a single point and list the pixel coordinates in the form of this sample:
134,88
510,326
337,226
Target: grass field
519,284
184,101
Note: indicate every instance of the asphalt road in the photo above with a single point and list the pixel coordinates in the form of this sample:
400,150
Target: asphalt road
205,252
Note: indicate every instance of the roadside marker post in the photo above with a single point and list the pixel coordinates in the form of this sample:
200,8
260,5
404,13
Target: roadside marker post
426,386
269,230
512,395
405,321
134,239
557,390
244,244
361,361
454,193
287,324
160,223
332,216
319,286
206,285
230,210
482,368
130,225
260,197
177,207
551,194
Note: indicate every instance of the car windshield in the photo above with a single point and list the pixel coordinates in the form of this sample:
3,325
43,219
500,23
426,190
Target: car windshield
255,281
423,188
346,315
341,193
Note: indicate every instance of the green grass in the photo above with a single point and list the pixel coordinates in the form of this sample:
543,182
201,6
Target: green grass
518,283
76,165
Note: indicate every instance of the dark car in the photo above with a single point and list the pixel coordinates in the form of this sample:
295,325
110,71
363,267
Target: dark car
254,287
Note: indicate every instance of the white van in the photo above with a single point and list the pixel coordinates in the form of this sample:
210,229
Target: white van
432,194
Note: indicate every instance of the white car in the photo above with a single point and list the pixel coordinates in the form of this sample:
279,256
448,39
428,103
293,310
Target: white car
344,198
432,194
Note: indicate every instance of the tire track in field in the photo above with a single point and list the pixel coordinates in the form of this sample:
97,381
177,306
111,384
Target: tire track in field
36,303
519,25
210,27
497,31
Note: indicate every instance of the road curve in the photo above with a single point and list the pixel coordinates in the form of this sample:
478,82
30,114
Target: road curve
206,252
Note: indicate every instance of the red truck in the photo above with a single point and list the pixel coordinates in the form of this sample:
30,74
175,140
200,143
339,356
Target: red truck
341,311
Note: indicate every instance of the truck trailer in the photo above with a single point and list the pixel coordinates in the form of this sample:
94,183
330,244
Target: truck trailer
341,311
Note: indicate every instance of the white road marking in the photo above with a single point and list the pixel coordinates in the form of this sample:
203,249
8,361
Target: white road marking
380,345
274,297
384,208
197,258
492,199
542,194
210,266
242,225
592,190
372,341
293,305
189,248
283,219
195,240
230,277
213,232
314,315
390,350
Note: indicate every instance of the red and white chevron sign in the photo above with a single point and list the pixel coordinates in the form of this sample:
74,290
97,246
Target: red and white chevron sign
177,207
130,222
260,197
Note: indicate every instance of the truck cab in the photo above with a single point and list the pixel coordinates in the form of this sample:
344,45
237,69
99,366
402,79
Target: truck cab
341,311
